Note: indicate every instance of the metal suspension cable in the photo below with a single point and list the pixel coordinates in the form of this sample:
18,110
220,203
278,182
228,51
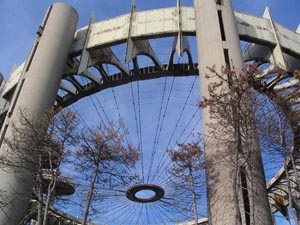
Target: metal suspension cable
183,131
99,114
163,182
135,114
93,102
138,124
119,114
147,214
139,214
160,112
160,129
181,113
173,132
109,211
165,111
187,125
130,216
81,184
138,131
117,209
155,212
102,108
81,118
162,209
192,131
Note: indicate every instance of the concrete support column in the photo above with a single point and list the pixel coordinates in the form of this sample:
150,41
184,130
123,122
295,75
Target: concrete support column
36,94
219,45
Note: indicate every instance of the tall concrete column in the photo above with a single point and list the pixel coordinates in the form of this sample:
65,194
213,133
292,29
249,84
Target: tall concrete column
36,94
219,45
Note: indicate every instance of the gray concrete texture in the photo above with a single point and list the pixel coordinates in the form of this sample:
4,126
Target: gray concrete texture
219,154
37,94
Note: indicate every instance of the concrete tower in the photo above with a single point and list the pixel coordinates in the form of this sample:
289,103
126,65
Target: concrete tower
36,92
219,45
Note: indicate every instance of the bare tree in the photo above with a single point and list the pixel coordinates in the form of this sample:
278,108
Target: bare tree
263,115
62,132
187,170
38,147
231,104
278,127
104,158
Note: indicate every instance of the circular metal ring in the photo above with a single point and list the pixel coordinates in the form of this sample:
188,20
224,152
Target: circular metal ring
132,191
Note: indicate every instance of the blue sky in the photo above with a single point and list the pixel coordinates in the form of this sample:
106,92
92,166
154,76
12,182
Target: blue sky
19,20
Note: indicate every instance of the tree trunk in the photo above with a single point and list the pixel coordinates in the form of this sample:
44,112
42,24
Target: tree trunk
50,190
294,215
295,170
192,183
238,149
297,213
236,190
40,194
90,195
51,187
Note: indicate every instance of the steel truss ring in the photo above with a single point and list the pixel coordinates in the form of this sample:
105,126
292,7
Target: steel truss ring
131,193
